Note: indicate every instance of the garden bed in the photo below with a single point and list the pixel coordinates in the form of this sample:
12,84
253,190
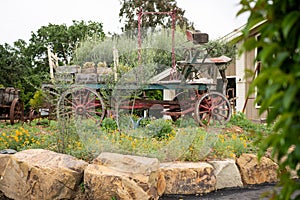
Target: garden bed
183,140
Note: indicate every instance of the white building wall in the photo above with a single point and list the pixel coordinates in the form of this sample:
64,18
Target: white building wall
168,95
240,83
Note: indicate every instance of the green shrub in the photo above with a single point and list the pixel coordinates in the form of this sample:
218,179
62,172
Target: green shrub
186,121
109,124
160,128
200,144
240,119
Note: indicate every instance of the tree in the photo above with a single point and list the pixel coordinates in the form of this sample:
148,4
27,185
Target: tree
278,82
14,63
16,70
63,40
130,8
25,66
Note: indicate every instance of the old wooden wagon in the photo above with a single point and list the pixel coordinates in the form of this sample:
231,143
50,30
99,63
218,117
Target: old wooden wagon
193,79
11,106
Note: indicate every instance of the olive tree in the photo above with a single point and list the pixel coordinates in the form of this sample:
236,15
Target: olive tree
130,8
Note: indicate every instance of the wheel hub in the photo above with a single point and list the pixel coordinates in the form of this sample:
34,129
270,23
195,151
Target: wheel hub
215,111
80,110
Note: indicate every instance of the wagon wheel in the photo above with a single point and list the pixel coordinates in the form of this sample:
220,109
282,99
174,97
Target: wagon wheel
82,103
16,113
33,114
212,109
184,100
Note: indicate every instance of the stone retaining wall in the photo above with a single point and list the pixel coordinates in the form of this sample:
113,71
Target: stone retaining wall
43,174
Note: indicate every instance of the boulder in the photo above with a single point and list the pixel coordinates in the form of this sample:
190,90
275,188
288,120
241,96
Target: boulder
40,174
123,177
3,197
188,177
233,129
227,174
254,171
4,160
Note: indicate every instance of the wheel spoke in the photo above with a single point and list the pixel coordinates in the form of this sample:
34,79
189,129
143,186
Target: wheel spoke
208,121
91,100
87,96
75,99
95,105
221,115
70,102
206,107
220,104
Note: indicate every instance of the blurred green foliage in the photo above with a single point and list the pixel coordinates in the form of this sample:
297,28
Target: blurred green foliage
278,82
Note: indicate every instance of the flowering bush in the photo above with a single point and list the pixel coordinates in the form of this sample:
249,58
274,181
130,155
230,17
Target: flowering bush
18,139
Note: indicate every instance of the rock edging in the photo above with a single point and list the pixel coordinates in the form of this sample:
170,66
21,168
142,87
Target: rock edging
43,174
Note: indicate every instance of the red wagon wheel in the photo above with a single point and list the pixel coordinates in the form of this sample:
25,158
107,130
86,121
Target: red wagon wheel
212,109
82,103
16,113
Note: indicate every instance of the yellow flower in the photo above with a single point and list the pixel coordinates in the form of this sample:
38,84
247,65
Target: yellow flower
233,136
27,134
16,138
3,134
18,133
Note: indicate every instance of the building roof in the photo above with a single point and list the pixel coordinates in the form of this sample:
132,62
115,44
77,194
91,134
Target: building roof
236,34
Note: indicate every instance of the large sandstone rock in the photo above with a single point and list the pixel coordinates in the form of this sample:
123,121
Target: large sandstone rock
123,177
257,172
40,174
227,174
188,177
4,158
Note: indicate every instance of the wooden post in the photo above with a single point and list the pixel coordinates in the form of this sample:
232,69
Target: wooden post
53,63
116,62
256,68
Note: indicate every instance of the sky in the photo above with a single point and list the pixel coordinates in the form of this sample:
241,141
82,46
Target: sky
19,18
